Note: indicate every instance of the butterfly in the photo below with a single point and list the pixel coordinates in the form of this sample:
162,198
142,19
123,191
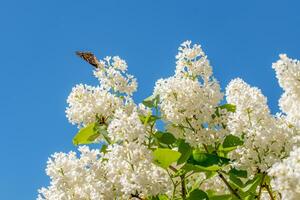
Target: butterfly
88,57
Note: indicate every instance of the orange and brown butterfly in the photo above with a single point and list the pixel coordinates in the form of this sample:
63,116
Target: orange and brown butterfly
88,57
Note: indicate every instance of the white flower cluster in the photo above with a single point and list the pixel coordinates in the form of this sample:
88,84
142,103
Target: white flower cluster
267,139
77,178
112,75
125,169
288,74
192,61
189,104
286,176
131,170
183,98
126,127
123,172
190,97
86,103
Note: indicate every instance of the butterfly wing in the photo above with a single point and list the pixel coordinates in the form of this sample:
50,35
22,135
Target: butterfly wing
88,57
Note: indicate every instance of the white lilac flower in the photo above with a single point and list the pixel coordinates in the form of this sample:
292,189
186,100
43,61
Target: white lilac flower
286,176
86,103
181,99
213,133
192,61
190,97
131,170
77,178
288,75
185,103
267,139
124,171
112,76
126,127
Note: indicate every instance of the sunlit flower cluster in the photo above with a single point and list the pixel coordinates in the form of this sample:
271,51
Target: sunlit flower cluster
267,139
182,139
126,127
112,76
287,176
190,97
288,74
86,103
131,170
122,172
77,178
192,61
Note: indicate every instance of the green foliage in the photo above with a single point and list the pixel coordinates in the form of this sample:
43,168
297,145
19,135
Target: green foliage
238,173
151,101
197,168
165,157
228,107
159,197
251,185
186,151
165,137
103,148
247,189
149,119
207,159
223,197
86,135
230,143
200,161
197,194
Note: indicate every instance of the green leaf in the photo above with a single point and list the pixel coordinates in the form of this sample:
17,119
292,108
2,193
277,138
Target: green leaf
238,173
236,181
250,197
223,197
197,195
103,148
86,135
186,151
231,142
148,119
159,197
228,107
165,157
251,185
165,137
197,168
210,174
151,101
207,159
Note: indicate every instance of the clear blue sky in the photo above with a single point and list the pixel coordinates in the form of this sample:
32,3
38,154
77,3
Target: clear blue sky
38,65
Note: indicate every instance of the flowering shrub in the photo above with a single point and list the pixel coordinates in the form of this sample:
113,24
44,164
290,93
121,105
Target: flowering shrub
205,150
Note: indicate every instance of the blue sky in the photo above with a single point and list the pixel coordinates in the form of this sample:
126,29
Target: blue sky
38,65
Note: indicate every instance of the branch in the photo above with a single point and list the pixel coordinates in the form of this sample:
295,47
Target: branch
261,186
183,189
233,191
136,196
270,192
173,168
